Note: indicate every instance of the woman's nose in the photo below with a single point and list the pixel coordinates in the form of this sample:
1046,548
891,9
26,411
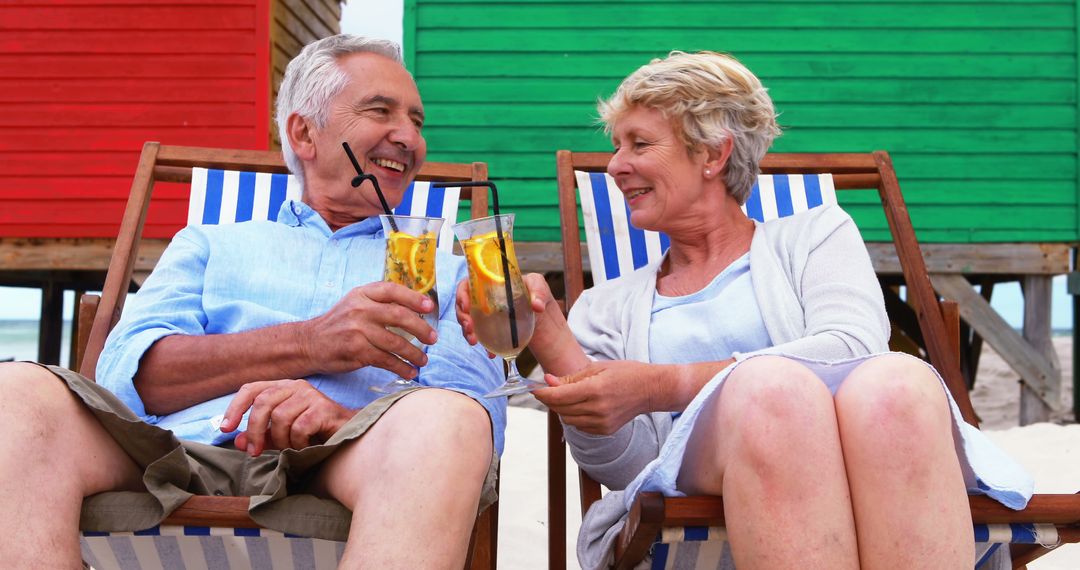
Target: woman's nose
618,164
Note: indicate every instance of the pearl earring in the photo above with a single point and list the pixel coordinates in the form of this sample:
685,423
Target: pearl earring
707,172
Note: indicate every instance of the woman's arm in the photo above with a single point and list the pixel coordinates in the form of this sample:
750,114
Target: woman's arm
605,395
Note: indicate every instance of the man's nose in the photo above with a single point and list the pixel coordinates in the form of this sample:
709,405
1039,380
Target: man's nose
406,135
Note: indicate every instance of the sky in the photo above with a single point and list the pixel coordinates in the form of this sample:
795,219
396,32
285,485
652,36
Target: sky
383,18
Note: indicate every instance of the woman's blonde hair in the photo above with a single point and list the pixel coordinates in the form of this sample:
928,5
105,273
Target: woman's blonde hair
709,97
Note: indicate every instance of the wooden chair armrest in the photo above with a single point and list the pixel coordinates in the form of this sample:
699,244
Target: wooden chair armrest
212,511
88,305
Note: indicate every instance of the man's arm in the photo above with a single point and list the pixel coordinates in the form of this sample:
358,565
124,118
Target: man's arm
179,371
161,359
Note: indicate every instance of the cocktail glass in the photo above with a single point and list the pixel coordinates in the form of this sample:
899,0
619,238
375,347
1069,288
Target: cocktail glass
499,301
410,261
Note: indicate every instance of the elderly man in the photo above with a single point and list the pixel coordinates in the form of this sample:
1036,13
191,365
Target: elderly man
242,367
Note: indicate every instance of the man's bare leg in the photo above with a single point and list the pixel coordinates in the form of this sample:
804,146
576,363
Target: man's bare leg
413,482
52,454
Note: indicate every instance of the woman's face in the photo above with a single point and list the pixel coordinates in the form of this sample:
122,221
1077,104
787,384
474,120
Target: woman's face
658,177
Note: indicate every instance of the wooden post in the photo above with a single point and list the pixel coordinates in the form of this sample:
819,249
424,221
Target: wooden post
1035,406
73,342
51,323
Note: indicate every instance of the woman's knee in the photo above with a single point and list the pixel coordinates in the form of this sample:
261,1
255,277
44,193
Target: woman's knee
774,389
895,394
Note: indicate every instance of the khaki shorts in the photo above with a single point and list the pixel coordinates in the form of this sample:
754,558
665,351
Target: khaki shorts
174,470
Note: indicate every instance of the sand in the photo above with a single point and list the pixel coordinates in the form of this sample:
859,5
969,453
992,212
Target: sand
1050,452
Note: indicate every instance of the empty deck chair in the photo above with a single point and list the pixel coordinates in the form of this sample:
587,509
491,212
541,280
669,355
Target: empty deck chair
230,186
678,532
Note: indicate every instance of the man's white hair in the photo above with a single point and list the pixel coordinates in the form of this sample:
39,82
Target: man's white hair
314,77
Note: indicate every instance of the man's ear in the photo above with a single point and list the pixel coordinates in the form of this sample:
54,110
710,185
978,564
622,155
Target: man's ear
716,159
298,129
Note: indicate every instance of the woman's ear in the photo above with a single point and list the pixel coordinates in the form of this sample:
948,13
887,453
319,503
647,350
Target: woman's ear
298,129
716,159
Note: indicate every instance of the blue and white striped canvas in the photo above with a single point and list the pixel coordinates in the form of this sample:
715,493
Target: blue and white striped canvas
230,196
176,547
707,547
617,248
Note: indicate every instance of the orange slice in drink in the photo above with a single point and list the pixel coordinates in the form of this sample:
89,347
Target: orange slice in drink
486,258
422,263
410,260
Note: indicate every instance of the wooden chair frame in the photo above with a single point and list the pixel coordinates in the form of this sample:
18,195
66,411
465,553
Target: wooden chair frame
163,163
937,326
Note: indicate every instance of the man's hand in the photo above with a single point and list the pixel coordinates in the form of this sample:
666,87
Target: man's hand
284,414
353,333
604,396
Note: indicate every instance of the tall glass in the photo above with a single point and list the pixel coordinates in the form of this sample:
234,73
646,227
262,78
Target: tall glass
410,261
499,301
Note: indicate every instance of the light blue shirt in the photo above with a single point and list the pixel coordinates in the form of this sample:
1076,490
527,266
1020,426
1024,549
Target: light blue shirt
238,277
711,324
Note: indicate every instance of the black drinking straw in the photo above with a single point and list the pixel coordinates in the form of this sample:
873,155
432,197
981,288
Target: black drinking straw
502,247
361,177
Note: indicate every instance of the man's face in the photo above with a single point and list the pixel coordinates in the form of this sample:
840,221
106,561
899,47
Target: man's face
380,115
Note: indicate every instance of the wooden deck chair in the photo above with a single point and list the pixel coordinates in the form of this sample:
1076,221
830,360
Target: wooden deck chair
230,186
790,183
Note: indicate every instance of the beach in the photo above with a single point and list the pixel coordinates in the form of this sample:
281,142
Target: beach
1049,451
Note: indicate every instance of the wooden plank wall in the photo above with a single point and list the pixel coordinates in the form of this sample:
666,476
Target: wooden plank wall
84,83
976,100
294,24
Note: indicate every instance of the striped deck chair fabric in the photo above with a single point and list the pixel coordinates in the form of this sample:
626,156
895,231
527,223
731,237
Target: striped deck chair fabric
617,248
203,547
230,196
706,547
226,197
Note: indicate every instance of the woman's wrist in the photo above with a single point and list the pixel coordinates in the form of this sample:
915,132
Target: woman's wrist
555,347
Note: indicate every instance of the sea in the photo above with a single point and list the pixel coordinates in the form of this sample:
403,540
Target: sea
19,339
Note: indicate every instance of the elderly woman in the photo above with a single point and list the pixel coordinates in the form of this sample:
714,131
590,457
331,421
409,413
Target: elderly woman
829,452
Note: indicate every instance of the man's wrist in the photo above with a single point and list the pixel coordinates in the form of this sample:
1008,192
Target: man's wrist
301,339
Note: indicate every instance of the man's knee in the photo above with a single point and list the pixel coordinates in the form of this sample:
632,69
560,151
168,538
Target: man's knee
32,398
444,415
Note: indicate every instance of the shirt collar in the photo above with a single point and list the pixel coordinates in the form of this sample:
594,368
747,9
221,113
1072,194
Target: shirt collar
298,214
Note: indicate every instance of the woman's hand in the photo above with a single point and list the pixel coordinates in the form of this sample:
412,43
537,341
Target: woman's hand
461,308
284,414
604,396
550,324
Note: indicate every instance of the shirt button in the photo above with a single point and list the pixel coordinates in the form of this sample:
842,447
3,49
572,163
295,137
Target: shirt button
219,493
328,284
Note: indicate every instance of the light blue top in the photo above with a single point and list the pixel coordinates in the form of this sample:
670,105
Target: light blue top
711,324
237,277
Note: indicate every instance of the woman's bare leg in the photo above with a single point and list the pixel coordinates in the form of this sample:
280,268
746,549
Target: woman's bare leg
413,482
52,454
768,442
911,507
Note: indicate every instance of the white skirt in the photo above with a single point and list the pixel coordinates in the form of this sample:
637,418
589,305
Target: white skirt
987,470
